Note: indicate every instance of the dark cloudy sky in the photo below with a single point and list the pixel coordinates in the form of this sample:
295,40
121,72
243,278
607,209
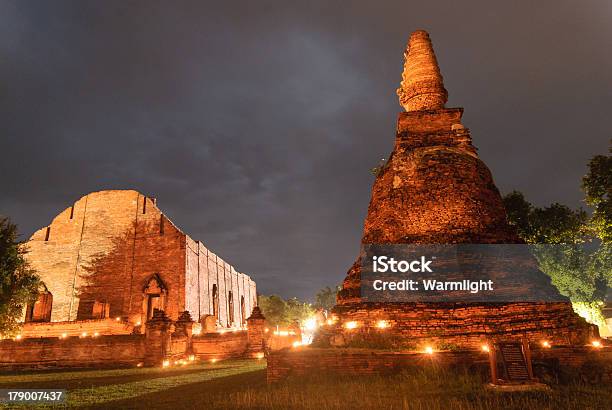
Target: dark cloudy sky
255,123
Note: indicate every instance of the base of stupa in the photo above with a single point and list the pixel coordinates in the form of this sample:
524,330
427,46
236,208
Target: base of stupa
453,325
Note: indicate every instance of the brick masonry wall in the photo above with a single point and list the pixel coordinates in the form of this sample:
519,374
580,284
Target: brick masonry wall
110,244
434,189
116,350
205,270
57,329
585,362
465,326
220,345
163,339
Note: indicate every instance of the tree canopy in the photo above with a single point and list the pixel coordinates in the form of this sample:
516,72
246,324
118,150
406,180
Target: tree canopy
19,284
575,250
281,312
326,298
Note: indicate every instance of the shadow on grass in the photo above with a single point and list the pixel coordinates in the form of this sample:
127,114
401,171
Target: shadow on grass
94,380
416,389
193,395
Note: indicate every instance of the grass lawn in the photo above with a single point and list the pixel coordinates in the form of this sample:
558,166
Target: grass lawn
241,384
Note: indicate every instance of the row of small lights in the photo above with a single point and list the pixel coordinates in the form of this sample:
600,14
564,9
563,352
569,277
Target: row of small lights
83,334
191,358
180,362
383,324
118,319
65,335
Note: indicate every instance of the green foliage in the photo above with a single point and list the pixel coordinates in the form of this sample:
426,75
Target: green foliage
597,186
580,262
554,224
284,312
326,298
18,283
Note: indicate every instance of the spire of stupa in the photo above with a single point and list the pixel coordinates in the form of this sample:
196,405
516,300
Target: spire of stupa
422,86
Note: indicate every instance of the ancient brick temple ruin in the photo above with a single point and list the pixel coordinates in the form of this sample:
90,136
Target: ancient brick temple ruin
434,189
112,258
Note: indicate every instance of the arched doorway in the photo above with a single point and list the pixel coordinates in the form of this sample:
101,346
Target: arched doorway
154,296
40,310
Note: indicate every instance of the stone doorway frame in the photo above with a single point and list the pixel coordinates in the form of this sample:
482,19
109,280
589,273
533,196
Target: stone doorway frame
154,288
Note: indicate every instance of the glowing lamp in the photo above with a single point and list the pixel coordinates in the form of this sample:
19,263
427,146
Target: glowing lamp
546,344
96,334
350,325
139,364
429,350
266,330
18,337
191,357
310,324
117,318
382,324
597,344
329,322
485,348
296,344
84,334
64,335
166,363
138,323
259,356
213,360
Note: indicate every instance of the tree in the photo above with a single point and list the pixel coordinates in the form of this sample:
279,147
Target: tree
555,224
280,312
571,248
273,308
597,186
19,284
326,298
298,311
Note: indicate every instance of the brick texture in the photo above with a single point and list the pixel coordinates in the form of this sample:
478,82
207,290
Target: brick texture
109,246
586,364
434,189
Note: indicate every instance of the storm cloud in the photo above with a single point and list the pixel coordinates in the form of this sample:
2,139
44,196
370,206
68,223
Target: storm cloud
255,124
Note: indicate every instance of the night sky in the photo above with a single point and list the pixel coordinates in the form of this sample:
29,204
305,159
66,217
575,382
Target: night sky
255,124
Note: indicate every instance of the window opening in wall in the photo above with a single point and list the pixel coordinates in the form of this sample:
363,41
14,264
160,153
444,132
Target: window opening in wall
40,310
230,301
215,298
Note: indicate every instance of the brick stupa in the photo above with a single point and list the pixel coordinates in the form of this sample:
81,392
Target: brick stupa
434,189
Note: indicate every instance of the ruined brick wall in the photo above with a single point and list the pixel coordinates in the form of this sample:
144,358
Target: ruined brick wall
116,350
468,326
206,270
111,245
220,345
60,251
76,328
578,362
105,248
